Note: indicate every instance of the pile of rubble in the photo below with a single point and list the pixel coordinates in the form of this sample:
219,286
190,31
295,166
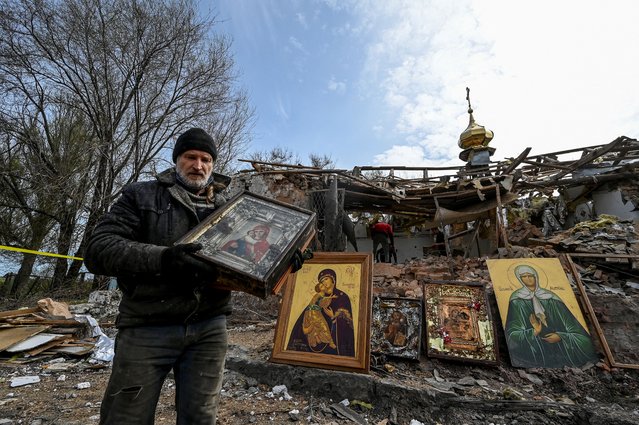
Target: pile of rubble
607,235
605,251
54,328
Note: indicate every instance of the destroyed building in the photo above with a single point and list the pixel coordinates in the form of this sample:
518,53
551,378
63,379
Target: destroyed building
579,204
474,204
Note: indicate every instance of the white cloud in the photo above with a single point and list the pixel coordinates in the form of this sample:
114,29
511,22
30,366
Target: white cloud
336,86
301,19
411,156
405,155
550,75
297,45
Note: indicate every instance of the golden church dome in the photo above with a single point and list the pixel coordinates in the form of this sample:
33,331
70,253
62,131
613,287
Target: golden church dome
475,135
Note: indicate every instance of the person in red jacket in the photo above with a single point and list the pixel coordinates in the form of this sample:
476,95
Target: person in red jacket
382,234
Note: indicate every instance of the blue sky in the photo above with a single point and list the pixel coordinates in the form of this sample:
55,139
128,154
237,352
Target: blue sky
383,82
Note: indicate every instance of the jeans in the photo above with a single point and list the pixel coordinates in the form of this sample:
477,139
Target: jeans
143,358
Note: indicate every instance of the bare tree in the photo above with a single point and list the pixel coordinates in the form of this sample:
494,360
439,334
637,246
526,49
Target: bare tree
137,72
45,183
321,161
231,134
277,155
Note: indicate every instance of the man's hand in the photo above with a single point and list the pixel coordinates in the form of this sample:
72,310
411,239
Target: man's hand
179,263
299,257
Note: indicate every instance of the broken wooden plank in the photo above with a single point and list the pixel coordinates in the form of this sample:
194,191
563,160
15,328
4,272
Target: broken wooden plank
590,157
515,162
33,342
43,321
72,348
12,336
17,313
547,165
44,347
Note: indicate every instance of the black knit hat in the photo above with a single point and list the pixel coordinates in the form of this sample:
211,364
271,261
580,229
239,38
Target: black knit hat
194,138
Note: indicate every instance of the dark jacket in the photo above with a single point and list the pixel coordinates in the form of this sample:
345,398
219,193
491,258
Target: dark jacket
128,243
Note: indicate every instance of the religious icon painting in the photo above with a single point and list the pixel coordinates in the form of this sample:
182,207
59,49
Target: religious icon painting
397,327
542,321
458,323
325,314
252,240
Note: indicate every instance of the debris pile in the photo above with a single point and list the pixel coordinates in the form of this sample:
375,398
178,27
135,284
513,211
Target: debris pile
606,235
520,230
47,330
405,280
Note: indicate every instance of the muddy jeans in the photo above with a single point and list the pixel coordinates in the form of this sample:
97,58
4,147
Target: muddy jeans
143,358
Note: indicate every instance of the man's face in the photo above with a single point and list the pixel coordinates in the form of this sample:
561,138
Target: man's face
195,168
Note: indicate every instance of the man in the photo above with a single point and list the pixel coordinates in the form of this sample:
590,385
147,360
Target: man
382,234
171,315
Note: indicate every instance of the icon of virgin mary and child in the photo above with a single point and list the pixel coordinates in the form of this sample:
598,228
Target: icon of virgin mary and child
326,324
252,246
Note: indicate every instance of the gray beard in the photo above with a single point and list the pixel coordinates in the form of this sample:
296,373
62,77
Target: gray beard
189,184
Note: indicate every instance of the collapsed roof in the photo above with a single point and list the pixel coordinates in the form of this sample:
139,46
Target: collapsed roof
462,193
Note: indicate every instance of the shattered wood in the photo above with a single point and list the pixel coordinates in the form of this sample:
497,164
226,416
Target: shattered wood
32,331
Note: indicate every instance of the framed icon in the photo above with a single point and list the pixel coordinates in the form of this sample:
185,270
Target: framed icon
325,315
542,321
397,327
252,239
459,324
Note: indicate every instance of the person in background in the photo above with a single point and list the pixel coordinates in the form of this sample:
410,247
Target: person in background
380,255
382,234
172,316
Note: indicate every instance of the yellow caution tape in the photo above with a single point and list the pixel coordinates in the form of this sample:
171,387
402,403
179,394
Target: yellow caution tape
48,254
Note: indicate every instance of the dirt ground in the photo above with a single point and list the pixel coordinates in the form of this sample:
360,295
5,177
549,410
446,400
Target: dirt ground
69,392
71,395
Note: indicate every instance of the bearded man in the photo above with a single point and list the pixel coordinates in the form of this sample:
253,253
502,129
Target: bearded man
172,316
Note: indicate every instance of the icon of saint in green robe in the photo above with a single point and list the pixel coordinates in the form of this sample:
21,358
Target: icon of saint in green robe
541,331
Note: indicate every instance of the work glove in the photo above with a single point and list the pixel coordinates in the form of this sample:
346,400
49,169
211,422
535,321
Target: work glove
178,262
299,257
